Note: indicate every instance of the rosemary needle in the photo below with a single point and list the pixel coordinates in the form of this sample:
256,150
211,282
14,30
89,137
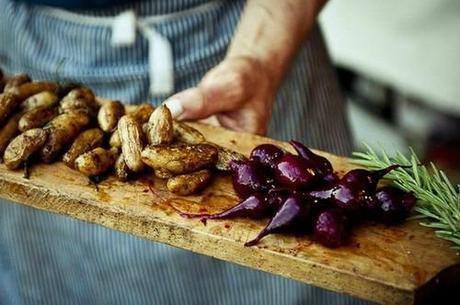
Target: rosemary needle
438,201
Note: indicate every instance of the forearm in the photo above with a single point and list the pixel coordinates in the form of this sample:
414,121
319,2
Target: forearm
271,31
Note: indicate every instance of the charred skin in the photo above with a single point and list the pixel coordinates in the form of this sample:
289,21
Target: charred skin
16,81
79,100
225,156
188,184
159,128
8,104
187,134
132,142
109,114
23,146
42,99
121,169
8,132
96,161
31,88
36,118
180,158
86,141
63,129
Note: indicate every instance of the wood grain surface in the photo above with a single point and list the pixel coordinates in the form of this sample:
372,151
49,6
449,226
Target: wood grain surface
386,265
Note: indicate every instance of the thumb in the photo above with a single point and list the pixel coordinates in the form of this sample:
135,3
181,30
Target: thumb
218,92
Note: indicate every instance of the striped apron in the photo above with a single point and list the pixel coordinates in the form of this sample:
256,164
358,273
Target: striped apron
50,259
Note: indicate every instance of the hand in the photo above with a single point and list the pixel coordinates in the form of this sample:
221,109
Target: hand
238,94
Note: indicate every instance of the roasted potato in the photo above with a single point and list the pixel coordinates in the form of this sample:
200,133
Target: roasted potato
188,184
8,104
132,142
142,113
114,140
187,134
226,155
86,141
30,88
79,100
109,114
36,118
16,81
180,158
23,146
96,161
9,131
63,129
42,99
162,173
121,169
159,128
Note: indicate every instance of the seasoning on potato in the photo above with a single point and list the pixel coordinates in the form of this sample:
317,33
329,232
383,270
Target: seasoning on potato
9,131
121,169
159,128
132,142
188,184
23,146
30,88
79,100
63,129
85,141
96,161
8,103
142,113
37,118
42,99
226,155
187,134
109,114
180,158
114,140
16,81
162,173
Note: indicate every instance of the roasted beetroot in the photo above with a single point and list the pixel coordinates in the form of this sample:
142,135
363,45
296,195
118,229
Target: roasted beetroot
266,154
364,179
331,228
301,193
248,178
255,206
321,164
294,172
393,205
291,214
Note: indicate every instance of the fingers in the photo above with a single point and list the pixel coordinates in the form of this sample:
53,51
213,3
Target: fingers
223,89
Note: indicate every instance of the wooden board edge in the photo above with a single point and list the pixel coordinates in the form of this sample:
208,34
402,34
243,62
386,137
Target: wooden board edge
184,238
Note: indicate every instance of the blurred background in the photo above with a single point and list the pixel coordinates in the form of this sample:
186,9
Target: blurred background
399,65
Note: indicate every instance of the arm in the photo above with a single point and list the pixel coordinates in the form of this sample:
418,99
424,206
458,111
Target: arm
271,31
239,92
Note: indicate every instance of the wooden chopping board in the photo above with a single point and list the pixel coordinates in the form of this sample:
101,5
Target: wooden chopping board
387,265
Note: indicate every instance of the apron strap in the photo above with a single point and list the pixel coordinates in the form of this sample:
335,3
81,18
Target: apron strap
160,57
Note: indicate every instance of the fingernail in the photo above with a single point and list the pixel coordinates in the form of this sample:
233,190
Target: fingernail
175,106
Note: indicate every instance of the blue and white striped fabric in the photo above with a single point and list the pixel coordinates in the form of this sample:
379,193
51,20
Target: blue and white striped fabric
50,259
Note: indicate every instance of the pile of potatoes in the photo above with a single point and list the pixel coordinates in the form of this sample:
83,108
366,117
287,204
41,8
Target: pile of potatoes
51,122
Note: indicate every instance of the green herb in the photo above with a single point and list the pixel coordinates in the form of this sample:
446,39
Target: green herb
438,201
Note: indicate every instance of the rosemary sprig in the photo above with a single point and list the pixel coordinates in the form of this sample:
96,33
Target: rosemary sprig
438,201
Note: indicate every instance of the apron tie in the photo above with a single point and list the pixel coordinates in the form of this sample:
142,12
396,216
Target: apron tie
160,58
